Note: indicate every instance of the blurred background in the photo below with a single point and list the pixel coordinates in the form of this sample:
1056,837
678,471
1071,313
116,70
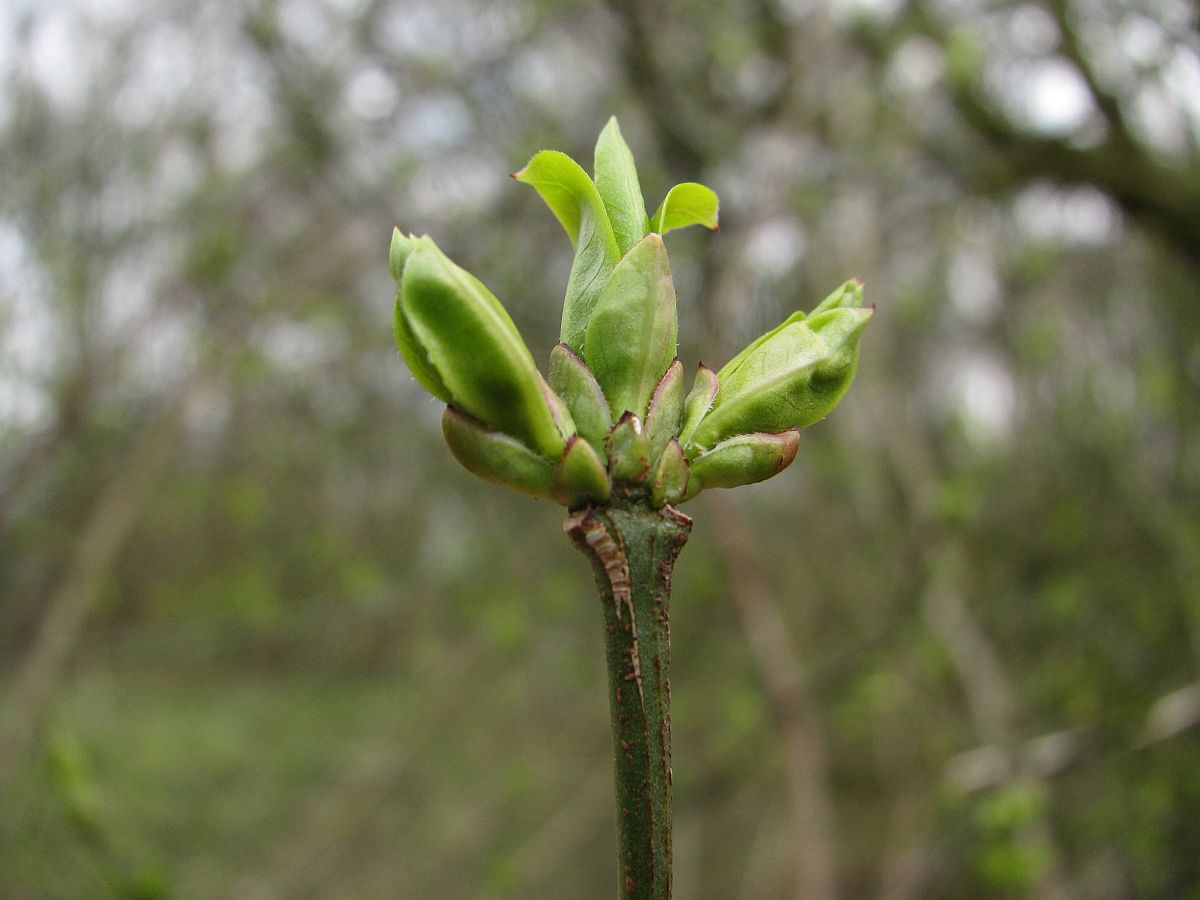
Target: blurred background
260,637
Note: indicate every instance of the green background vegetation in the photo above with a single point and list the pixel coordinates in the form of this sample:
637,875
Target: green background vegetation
260,637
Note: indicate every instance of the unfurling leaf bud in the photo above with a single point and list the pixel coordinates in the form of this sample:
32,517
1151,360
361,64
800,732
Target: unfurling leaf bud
579,477
669,480
575,383
462,346
632,331
612,423
497,457
666,409
789,378
744,459
628,451
699,401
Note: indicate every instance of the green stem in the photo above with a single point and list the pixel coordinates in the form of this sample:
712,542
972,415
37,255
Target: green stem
633,550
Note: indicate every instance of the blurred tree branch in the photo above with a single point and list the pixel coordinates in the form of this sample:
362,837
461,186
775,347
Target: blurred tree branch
1165,196
679,142
793,710
100,541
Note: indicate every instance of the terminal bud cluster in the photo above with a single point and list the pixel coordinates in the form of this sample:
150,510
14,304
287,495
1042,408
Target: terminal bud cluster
612,418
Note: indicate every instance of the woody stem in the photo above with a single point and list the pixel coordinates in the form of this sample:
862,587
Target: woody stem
633,550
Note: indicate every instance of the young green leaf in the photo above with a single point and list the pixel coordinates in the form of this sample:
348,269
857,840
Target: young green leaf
410,348
575,201
617,181
566,189
686,204
497,457
632,333
846,295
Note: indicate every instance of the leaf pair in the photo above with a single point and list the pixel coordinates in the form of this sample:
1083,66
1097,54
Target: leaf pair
463,347
791,377
503,422
740,424
606,218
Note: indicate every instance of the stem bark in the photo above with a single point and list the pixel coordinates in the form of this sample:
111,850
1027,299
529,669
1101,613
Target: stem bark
633,551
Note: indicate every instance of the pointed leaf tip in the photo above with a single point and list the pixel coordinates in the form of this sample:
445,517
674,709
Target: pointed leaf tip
575,201
687,204
846,296
617,182
398,252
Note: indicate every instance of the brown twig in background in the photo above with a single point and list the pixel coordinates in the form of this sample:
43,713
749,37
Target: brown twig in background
100,542
791,705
